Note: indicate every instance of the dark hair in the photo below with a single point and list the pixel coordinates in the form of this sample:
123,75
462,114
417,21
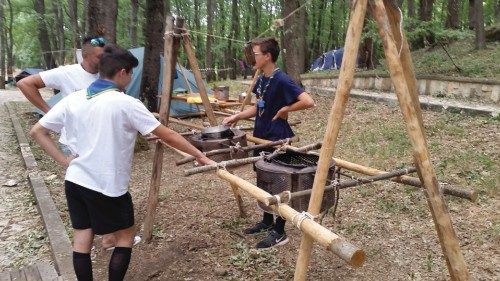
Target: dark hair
115,59
96,41
268,45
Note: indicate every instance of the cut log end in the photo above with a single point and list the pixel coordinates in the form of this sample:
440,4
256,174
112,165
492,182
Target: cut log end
348,252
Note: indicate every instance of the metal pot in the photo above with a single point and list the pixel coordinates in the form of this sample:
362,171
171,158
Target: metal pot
217,132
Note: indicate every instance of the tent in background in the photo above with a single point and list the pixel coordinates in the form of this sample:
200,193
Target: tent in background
133,88
27,72
329,60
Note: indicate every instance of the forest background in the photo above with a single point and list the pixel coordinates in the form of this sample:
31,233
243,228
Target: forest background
46,33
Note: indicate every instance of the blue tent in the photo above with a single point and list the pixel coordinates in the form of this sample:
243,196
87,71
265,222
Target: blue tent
328,61
133,89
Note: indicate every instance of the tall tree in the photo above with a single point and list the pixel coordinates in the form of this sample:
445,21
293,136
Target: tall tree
209,62
9,41
425,11
58,32
2,47
480,42
153,46
453,19
411,8
43,35
472,16
235,34
95,18
75,30
110,15
294,39
134,7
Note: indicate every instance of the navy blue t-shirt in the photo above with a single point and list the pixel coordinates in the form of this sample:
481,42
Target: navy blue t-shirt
281,92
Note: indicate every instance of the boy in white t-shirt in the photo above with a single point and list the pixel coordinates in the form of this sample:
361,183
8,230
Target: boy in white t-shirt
97,179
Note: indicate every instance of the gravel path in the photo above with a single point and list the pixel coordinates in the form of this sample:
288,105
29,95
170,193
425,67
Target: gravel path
23,239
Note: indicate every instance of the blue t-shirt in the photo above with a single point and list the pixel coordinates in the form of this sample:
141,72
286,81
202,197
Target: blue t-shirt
280,92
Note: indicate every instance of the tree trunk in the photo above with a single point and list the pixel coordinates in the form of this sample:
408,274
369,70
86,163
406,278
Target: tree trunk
453,19
233,61
111,13
197,37
95,18
472,16
75,31
411,8
153,39
480,42
293,47
43,35
425,11
496,11
2,47
58,36
209,63
9,43
134,7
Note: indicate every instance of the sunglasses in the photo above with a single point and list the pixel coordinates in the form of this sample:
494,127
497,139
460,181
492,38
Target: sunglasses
98,42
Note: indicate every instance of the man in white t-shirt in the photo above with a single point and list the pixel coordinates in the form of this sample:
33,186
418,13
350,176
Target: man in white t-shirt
67,79
97,180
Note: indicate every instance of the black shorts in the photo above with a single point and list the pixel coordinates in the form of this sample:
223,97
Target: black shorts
92,209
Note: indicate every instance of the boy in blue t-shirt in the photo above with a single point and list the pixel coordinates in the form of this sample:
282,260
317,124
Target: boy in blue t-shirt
276,95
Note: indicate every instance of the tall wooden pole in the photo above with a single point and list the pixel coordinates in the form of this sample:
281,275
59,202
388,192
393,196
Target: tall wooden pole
171,50
197,76
332,130
442,221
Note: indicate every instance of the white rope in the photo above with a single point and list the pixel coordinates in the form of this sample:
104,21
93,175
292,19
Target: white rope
300,218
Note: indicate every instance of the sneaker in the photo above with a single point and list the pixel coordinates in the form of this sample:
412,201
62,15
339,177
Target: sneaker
137,240
272,239
258,228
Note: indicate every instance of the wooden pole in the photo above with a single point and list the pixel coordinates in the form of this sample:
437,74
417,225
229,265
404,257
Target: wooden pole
327,239
171,48
197,75
442,221
333,127
248,97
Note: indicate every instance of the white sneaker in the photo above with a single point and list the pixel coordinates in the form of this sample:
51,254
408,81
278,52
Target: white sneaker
137,240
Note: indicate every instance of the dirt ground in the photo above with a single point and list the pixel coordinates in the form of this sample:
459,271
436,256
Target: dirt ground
197,233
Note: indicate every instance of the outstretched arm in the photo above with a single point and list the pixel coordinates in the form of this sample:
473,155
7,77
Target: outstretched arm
30,86
175,140
41,135
247,113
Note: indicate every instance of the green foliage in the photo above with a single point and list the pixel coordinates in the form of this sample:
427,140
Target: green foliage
419,33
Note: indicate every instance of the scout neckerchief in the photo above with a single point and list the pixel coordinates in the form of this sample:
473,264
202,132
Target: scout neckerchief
261,104
100,86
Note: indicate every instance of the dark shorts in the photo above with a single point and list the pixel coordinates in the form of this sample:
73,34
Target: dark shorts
92,209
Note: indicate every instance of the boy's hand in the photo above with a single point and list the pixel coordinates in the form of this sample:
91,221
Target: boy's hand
230,120
282,113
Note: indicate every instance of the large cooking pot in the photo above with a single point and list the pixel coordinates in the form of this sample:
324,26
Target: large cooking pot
217,132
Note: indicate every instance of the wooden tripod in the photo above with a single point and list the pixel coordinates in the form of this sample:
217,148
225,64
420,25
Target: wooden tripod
400,66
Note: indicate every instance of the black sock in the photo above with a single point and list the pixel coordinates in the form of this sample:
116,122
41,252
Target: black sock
119,262
268,219
280,225
83,266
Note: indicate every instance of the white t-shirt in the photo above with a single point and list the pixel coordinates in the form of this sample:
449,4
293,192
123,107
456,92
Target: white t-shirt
67,79
104,129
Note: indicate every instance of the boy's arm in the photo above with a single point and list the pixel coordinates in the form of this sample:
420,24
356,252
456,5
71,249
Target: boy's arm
304,101
175,140
29,87
41,135
247,113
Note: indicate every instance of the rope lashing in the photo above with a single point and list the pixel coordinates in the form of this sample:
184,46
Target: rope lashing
300,217
278,200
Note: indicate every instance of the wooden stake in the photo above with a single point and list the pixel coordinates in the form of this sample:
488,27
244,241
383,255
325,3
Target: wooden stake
171,48
334,121
410,108
197,75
